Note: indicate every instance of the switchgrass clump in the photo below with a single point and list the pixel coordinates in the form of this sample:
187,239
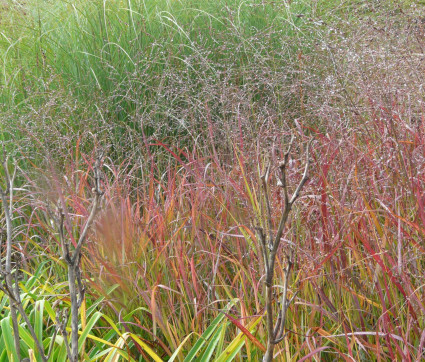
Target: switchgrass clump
153,67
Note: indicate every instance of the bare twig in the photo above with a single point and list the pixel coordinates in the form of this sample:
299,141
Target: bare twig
7,201
72,259
11,284
269,249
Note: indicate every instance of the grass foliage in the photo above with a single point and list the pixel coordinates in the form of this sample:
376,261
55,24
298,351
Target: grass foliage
191,100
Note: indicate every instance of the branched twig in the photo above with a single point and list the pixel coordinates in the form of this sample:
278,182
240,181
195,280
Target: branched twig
72,259
269,246
10,280
7,201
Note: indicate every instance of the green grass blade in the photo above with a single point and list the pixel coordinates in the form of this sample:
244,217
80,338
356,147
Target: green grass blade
179,348
207,334
38,325
148,350
100,300
235,346
26,338
213,344
96,316
6,330
204,338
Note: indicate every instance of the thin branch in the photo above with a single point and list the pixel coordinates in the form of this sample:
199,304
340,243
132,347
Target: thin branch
275,330
76,287
282,169
97,195
52,343
62,321
285,302
263,247
6,197
276,341
81,288
264,180
282,223
24,315
305,175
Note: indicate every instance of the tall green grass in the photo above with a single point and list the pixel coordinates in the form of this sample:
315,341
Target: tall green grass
90,42
151,65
